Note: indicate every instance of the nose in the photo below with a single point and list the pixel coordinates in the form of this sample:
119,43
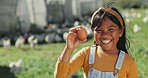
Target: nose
105,35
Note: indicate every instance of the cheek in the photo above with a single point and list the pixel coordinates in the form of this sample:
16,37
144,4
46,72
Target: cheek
116,37
96,36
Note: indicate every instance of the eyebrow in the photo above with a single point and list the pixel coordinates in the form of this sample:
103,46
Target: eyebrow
112,26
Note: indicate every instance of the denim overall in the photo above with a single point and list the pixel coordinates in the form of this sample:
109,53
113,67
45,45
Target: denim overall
93,73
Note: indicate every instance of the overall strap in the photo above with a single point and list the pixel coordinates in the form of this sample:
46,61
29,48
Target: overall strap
91,60
92,54
119,62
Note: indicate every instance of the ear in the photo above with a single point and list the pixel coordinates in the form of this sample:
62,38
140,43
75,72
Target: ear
121,32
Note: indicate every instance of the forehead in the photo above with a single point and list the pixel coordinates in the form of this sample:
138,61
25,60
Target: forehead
107,22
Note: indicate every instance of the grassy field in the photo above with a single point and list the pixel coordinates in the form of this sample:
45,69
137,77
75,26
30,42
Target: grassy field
40,62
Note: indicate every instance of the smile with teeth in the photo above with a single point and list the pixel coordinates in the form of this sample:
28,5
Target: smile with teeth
106,41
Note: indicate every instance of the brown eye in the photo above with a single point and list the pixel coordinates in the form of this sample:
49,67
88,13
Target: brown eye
111,30
98,30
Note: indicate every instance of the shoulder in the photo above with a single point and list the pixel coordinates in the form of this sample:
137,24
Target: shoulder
129,58
82,53
84,50
130,64
129,61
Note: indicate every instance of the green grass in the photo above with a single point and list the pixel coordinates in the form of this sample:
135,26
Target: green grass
40,62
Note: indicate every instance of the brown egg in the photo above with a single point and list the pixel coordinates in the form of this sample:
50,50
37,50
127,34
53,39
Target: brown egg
82,33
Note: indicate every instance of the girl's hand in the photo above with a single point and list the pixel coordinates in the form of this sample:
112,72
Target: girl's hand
72,40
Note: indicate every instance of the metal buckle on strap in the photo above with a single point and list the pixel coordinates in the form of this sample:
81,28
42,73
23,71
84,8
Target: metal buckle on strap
91,69
116,71
115,74
90,65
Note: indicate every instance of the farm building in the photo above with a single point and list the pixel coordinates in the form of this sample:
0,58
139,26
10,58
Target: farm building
67,10
18,15
29,17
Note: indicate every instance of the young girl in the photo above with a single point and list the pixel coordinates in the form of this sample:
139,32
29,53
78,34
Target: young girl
107,58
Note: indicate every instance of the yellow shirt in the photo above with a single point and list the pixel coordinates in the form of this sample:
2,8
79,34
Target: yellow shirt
103,62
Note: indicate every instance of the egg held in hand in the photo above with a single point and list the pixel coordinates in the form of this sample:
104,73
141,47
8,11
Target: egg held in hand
82,33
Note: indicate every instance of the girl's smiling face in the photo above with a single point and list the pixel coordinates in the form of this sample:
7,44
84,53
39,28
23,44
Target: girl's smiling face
107,35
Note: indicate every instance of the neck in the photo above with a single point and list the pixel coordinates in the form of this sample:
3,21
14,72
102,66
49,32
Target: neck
111,52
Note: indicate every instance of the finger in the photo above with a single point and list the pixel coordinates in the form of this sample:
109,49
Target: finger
71,35
73,30
82,41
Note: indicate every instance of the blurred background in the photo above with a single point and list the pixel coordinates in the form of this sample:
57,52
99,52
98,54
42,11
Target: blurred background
33,32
